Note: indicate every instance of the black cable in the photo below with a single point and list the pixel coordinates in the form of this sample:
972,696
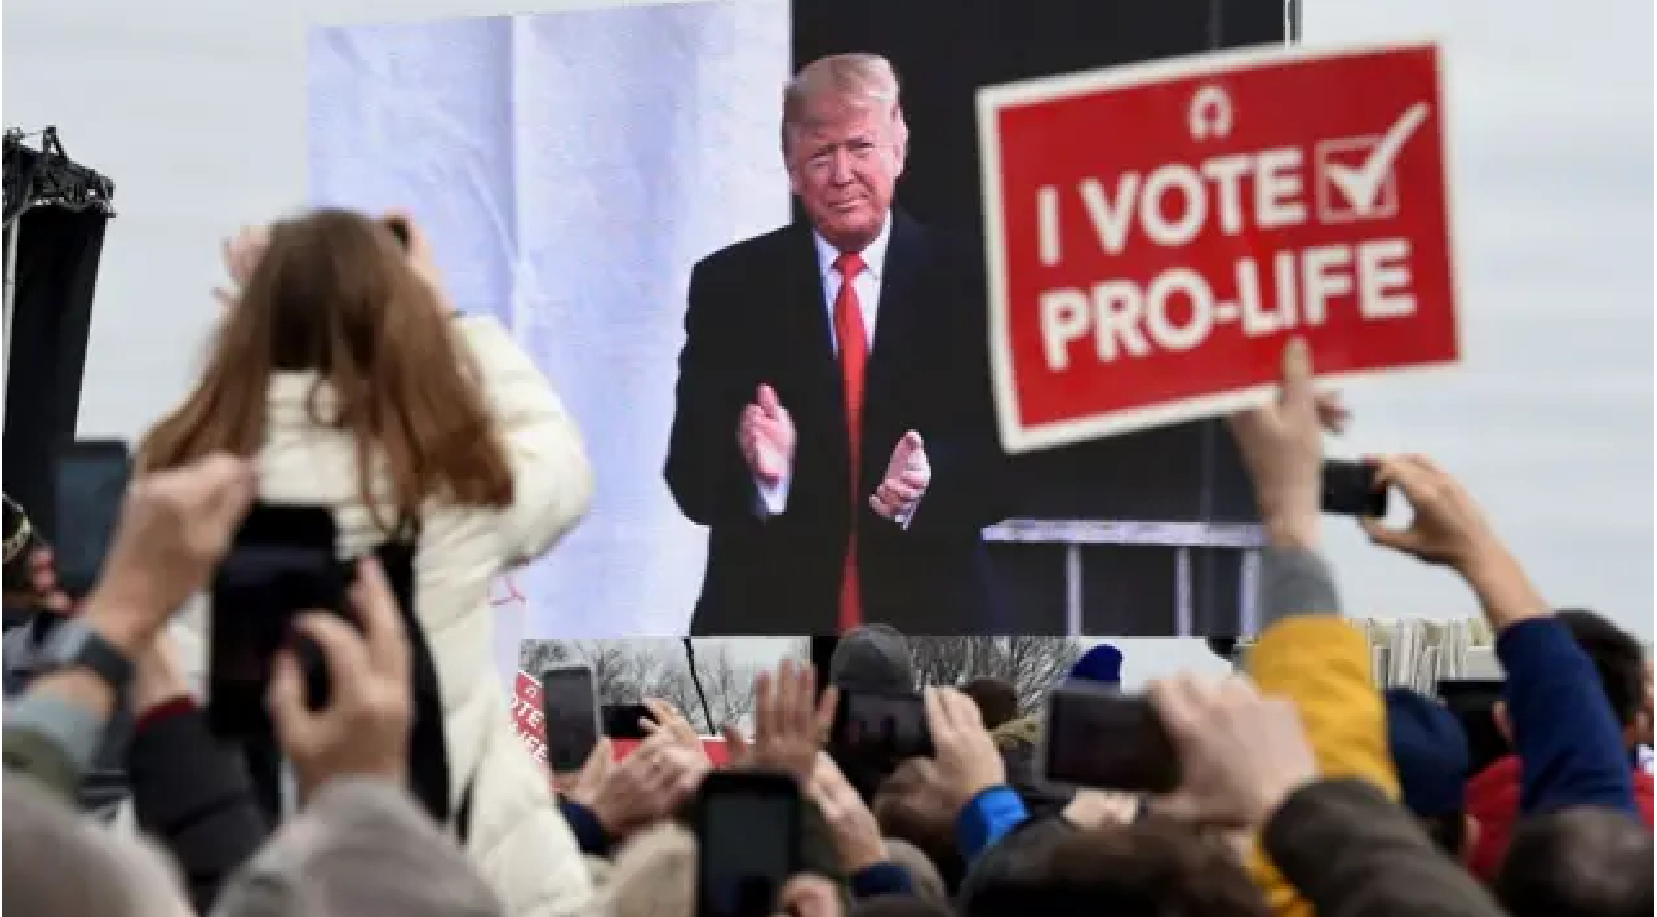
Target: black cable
696,682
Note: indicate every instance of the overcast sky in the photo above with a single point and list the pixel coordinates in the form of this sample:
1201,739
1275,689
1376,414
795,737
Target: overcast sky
196,109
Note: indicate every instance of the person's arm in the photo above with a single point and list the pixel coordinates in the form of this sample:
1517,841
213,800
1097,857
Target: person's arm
877,879
705,470
551,475
1312,656
987,818
1352,852
194,796
1570,748
589,831
53,739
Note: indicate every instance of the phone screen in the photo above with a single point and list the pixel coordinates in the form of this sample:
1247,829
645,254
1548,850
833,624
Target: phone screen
569,702
1350,489
871,727
1473,701
1101,738
748,838
281,563
91,485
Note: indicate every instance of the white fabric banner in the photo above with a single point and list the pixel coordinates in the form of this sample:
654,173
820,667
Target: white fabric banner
571,168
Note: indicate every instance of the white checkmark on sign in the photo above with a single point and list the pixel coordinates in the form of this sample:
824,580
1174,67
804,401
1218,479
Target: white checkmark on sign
1361,185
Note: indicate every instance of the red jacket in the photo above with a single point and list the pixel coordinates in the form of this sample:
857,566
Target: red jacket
1493,801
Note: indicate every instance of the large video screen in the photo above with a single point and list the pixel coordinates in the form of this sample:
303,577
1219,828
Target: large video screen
575,168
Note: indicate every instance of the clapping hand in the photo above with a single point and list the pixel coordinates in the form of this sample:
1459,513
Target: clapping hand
766,437
907,475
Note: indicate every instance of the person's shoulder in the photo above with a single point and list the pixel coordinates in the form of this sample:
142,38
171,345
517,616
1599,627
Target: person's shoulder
946,246
762,248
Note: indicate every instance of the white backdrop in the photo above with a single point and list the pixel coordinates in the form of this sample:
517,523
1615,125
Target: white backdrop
571,168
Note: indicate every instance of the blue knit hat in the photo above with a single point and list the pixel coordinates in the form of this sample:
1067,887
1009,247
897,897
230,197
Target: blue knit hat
1429,748
1102,664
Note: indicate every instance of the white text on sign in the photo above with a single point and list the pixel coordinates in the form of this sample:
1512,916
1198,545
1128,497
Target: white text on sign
1178,309
1171,207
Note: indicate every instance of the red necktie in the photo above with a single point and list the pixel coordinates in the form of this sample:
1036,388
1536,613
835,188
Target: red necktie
854,354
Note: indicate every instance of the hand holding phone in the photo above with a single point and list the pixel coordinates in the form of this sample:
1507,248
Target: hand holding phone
1099,737
748,833
282,563
363,730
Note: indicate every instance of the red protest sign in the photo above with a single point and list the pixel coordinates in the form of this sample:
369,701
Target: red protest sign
1156,233
527,715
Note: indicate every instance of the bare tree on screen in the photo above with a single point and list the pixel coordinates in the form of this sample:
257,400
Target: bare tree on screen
1032,665
628,671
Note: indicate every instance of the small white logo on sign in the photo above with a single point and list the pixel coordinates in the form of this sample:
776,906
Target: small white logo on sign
1211,113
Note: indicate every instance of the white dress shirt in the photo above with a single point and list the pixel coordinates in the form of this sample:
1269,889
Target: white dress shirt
774,497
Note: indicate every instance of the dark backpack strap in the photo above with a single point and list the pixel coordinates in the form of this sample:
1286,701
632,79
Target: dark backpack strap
463,817
429,777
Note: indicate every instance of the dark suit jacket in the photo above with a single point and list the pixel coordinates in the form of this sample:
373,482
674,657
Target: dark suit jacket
756,314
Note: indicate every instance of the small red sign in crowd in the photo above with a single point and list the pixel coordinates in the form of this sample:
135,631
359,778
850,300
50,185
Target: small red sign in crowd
1155,233
530,718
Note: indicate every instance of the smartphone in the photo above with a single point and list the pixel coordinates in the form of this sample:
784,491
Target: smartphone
1473,701
89,488
282,562
622,721
1099,737
569,708
879,731
748,833
1351,489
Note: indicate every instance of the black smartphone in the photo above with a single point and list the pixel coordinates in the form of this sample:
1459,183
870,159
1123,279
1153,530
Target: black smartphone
624,721
282,562
1473,702
569,708
878,731
1351,489
748,833
1099,737
90,487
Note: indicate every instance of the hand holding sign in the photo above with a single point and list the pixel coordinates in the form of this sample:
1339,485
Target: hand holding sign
766,437
907,475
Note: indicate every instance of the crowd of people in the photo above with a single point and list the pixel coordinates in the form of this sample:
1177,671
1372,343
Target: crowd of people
1304,787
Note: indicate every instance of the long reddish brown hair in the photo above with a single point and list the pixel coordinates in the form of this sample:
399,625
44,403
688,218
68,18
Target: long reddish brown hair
335,294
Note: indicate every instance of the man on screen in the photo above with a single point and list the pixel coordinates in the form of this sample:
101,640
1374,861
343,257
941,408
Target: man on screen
833,427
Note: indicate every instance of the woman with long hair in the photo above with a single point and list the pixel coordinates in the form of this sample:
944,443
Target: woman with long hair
343,370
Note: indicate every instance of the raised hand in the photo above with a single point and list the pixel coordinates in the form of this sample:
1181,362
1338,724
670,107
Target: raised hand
241,256
766,436
967,759
175,527
907,475
1447,526
790,720
1241,755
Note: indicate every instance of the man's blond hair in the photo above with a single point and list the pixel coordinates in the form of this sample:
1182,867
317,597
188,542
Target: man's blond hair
857,81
